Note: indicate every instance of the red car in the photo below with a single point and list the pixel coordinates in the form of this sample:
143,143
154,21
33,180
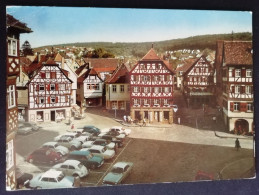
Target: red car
44,155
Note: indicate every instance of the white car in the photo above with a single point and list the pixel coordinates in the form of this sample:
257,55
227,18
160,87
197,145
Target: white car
100,142
52,179
69,143
101,151
114,134
83,138
119,129
72,168
68,134
59,149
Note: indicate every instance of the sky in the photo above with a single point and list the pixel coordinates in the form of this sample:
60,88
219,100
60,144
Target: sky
59,25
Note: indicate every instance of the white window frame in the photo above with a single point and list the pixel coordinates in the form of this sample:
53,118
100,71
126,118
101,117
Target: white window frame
238,73
41,87
52,87
248,89
122,90
236,106
156,89
114,88
237,89
87,86
249,107
249,73
165,101
135,89
12,47
166,89
41,100
121,104
9,155
52,100
62,99
114,104
47,75
62,87
11,96
97,87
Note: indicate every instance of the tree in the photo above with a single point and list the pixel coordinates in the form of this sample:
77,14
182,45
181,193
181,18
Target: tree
26,49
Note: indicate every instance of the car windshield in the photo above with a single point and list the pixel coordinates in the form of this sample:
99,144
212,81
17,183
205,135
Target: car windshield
117,170
80,165
90,156
104,149
60,177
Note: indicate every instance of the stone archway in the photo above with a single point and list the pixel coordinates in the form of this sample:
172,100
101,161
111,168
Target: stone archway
241,126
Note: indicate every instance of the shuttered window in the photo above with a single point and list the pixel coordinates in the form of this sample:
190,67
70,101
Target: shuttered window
231,106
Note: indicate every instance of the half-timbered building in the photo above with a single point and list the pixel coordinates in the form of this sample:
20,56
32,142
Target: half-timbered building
14,28
118,89
236,64
198,83
89,87
49,93
151,89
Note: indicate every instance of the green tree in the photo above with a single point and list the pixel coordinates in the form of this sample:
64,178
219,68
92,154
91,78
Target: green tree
26,49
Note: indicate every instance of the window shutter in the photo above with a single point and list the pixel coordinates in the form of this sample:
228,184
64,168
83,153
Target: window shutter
233,89
243,72
48,99
43,75
231,106
243,90
37,87
56,87
56,99
245,107
233,73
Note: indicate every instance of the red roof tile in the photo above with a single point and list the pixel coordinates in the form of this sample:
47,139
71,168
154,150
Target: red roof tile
186,65
238,52
13,22
151,55
120,75
103,64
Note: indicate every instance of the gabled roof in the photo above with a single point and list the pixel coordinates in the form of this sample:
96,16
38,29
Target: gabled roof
14,23
80,69
120,75
151,55
86,73
238,52
190,66
102,64
186,65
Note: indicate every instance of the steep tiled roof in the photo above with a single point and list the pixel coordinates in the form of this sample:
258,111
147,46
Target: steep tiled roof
92,72
103,64
85,74
238,53
186,65
50,61
151,55
80,69
13,22
120,75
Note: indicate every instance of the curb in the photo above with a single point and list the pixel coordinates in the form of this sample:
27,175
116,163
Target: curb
233,137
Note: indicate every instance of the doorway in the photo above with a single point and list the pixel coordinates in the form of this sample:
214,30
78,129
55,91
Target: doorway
52,115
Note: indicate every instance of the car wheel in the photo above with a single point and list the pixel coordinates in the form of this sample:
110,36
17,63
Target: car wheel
75,175
38,187
30,160
92,166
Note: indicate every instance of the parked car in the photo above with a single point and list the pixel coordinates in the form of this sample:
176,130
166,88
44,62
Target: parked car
32,125
115,134
110,138
22,179
52,179
91,129
72,168
84,138
118,173
73,135
100,142
119,129
86,158
69,143
44,155
100,151
59,149
23,130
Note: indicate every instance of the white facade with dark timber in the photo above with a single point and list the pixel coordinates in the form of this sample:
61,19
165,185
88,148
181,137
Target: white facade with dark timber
49,94
151,90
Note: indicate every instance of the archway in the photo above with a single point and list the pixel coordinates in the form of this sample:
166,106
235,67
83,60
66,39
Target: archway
241,127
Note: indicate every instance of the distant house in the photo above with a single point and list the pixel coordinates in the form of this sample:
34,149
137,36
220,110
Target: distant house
198,84
234,89
103,66
89,87
49,93
151,90
13,30
118,89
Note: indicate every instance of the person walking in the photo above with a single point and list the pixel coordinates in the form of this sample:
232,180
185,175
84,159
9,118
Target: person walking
144,122
237,144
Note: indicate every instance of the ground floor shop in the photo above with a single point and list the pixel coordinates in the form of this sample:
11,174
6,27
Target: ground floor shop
151,115
47,115
118,104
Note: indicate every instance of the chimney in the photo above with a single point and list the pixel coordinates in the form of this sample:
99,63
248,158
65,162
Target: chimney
38,56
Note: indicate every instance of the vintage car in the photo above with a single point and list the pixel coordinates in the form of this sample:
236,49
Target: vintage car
44,155
100,151
99,142
91,129
118,173
119,129
110,139
52,179
27,127
72,168
73,135
86,158
84,138
59,149
22,179
69,143
113,134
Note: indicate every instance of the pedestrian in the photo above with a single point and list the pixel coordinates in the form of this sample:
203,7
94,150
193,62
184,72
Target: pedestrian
237,144
72,127
144,122
125,118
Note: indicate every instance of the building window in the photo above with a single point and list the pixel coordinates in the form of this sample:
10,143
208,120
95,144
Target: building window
249,73
146,101
145,78
165,101
166,89
63,99
47,75
236,106
197,70
114,104
194,79
238,72
62,87
41,100
145,89
248,89
114,88
11,96
135,89
121,104
12,47
52,87
156,101
237,89
88,86
156,89
52,75
97,87
136,101
42,87
52,100
9,155
128,88
250,107
122,88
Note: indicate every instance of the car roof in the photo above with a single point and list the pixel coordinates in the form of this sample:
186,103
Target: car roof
71,162
52,173
97,147
77,152
65,138
49,143
121,164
